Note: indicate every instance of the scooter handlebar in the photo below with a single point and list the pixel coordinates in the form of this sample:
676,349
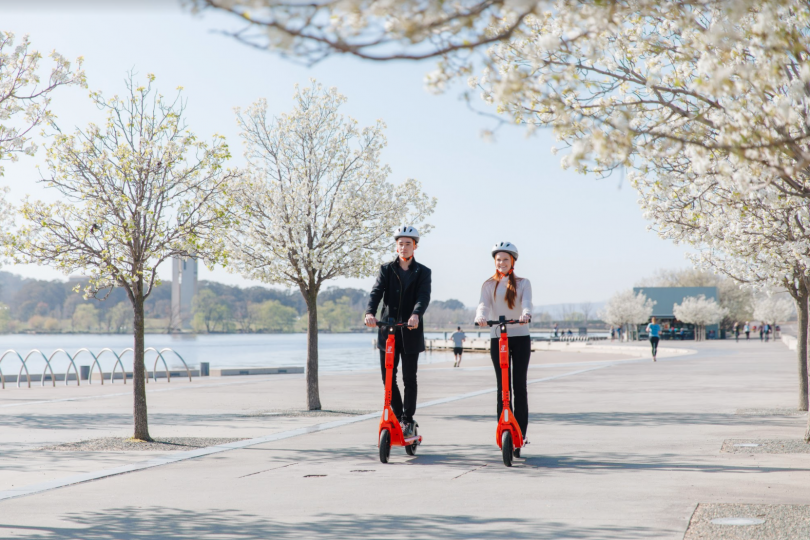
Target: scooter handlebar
510,321
391,325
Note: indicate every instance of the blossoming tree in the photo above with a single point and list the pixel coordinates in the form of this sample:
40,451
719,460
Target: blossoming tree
773,310
701,312
134,192
24,99
315,202
373,29
626,309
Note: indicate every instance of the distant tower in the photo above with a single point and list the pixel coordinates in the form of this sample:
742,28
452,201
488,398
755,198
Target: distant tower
184,289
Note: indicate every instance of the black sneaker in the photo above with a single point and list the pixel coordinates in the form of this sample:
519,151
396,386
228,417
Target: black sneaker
407,429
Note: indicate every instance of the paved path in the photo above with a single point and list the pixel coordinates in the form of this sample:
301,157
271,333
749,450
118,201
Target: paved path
621,448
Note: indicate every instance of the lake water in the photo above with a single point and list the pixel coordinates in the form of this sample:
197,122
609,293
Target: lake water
337,352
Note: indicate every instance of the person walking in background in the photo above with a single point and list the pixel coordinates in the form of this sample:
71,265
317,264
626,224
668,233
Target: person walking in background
747,331
458,343
505,294
736,331
556,333
612,333
654,330
761,332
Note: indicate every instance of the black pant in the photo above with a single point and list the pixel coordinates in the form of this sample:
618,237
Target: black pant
520,352
409,365
654,342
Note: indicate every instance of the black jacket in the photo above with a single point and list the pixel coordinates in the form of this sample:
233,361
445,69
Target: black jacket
401,304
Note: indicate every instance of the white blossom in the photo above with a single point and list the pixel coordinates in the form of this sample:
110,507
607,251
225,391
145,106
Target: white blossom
315,202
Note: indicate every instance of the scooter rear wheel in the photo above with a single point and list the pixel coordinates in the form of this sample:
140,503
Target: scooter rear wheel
411,448
507,448
385,445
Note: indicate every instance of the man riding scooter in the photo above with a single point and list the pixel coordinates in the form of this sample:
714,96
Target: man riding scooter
403,286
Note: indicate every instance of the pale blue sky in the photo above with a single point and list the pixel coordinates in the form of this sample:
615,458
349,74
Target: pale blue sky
580,239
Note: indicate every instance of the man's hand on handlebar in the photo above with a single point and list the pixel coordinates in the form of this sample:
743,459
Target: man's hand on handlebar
371,320
413,322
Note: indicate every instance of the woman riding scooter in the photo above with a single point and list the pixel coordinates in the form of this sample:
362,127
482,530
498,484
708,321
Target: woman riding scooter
508,295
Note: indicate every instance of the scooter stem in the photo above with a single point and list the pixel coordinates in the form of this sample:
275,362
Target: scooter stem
503,346
389,366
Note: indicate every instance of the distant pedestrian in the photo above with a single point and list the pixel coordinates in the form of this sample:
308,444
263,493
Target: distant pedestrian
747,331
612,333
654,329
570,333
761,332
555,330
619,332
767,332
458,343
736,332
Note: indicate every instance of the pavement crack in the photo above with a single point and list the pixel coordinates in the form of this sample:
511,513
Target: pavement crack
271,469
466,472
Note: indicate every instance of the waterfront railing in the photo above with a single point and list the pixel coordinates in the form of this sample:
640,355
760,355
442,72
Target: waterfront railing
48,359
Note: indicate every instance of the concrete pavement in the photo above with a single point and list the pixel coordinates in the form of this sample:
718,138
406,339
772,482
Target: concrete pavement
622,448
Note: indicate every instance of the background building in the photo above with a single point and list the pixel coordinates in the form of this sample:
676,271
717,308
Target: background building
665,299
184,289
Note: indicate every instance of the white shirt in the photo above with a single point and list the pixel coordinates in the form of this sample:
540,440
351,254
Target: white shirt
493,304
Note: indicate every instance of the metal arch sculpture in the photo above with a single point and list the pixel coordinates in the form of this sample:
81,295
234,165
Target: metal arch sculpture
67,372
93,365
44,370
28,375
130,350
154,368
117,363
188,371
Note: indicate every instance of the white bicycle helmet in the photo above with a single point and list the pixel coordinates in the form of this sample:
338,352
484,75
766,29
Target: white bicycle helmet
406,231
507,247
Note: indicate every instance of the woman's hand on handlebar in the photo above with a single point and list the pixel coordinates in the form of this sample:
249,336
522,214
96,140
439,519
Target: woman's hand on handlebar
371,320
480,321
525,319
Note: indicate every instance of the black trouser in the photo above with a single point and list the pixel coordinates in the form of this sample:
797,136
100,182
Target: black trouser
520,352
409,365
654,343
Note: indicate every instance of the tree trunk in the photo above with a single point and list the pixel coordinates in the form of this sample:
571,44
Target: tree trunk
313,395
801,346
138,370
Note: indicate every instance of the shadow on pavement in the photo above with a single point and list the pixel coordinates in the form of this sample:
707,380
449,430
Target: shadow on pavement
131,523
640,419
630,462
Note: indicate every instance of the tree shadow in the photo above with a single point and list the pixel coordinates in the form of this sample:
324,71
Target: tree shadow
638,419
107,420
155,523
606,462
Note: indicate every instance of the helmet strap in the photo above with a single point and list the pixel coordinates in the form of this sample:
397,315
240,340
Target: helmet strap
502,275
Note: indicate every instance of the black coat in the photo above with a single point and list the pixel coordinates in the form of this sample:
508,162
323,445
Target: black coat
401,304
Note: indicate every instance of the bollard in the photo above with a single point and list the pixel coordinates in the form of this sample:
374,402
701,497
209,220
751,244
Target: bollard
84,372
205,369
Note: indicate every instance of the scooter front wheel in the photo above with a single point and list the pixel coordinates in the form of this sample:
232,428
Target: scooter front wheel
507,448
385,445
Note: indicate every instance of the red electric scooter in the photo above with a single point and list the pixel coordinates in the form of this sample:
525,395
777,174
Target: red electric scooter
508,435
390,432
